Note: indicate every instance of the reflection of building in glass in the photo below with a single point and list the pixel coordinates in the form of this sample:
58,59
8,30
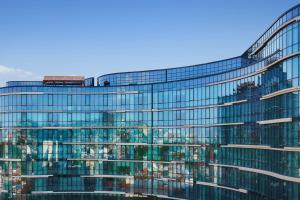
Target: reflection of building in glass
222,130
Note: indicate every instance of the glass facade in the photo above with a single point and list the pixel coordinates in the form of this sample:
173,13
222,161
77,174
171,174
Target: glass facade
223,130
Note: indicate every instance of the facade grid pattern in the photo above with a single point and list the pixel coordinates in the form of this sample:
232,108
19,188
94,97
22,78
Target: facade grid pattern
223,130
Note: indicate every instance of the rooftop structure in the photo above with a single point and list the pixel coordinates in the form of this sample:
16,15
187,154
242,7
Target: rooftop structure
222,130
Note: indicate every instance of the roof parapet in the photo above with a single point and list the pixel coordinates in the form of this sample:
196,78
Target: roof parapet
64,80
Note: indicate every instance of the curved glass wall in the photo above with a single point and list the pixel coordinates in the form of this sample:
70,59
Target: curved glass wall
223,130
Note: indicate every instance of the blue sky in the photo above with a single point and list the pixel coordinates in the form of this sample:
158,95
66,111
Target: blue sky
94,37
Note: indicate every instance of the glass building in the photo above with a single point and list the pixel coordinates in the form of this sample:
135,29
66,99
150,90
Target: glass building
223,130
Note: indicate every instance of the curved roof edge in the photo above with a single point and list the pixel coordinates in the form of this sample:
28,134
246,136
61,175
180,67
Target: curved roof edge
190,71
270,27
246,55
